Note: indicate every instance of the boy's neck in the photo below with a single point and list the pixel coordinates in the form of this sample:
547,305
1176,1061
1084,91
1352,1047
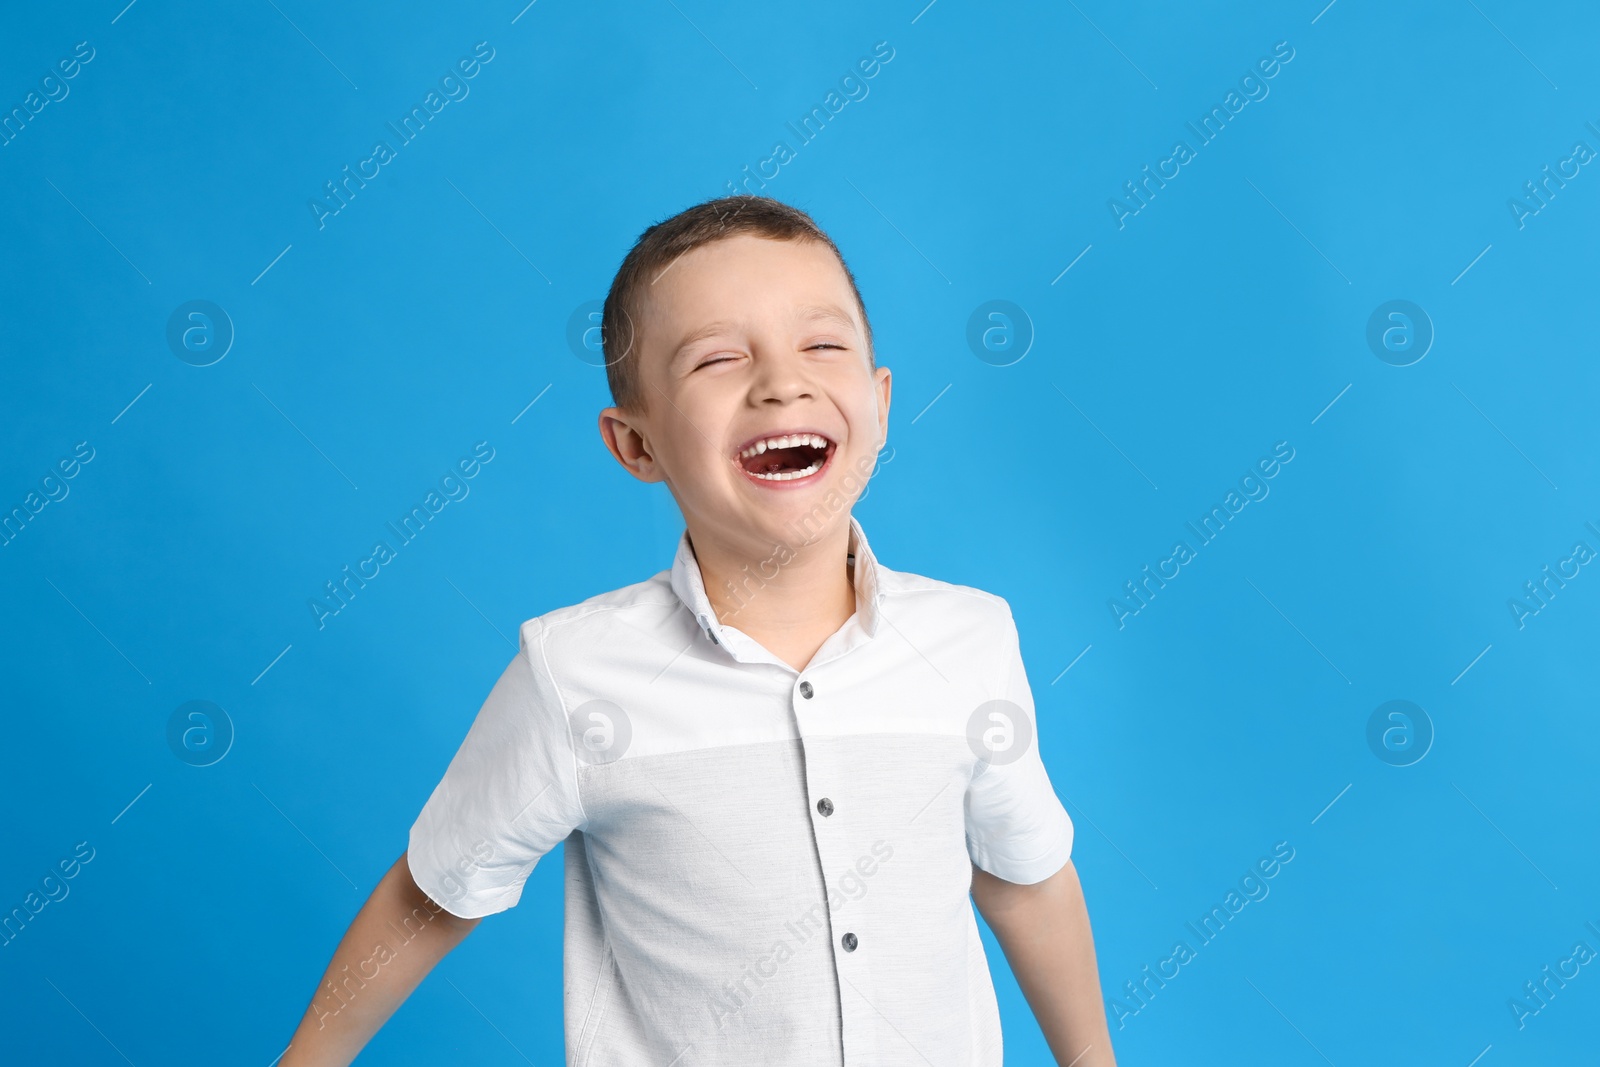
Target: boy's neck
789,602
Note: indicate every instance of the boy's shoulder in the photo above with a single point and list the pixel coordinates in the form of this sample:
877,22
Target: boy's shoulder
638,604
930,613
921,590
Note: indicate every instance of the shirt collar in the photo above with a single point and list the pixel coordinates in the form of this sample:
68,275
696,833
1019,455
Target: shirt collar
688,583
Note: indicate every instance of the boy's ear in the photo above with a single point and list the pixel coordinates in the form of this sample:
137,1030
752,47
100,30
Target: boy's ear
884,382
627,444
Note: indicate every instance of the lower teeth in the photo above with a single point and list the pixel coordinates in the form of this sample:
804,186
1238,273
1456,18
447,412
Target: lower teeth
784,476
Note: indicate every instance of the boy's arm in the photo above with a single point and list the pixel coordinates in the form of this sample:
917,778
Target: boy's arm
365,983
1044,930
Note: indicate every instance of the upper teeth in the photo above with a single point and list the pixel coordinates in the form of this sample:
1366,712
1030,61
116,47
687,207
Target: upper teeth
814,440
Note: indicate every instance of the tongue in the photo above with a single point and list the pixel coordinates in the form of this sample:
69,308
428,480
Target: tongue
781,460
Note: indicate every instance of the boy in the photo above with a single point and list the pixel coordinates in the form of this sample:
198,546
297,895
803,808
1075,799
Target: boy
780,768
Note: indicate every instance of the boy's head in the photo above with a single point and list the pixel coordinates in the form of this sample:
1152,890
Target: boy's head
728,325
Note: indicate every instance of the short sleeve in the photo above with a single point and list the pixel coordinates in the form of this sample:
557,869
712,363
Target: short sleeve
1017,829
509,795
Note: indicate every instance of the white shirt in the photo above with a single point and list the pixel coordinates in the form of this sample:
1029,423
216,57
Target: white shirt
763,865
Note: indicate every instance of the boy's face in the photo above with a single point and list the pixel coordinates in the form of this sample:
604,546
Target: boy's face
747,339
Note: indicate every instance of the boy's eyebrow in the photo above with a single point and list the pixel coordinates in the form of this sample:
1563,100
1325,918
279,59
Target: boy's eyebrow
829,313
710,329
808,312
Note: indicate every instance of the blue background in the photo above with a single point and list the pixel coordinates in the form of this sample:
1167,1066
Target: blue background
1225,316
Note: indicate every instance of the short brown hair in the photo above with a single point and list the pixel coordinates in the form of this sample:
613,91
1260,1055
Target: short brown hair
662,244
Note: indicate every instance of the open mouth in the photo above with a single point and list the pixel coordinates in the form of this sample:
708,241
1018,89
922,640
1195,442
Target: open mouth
786,457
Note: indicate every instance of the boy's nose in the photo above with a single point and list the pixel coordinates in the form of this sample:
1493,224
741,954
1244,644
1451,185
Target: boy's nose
780,377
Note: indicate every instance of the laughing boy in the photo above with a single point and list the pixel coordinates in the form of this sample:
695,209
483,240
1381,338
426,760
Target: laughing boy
782,772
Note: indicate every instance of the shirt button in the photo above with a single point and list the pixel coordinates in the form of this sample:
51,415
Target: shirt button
806,690
849,942
825,806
